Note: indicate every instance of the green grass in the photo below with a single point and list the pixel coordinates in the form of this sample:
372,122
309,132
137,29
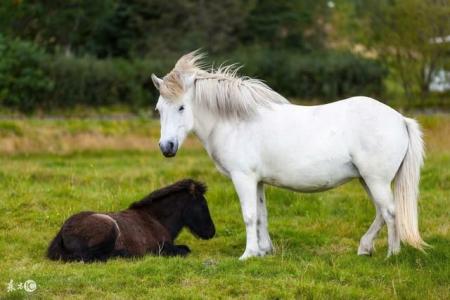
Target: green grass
316,235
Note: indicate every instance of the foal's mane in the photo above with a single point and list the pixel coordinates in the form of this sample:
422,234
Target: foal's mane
186,185
221,90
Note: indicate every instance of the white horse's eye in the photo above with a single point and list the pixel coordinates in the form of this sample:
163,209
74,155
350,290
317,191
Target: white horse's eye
181,108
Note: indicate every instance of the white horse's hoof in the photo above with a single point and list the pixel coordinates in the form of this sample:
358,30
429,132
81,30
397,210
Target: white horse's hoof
265,246
251,253
267,249
365,250
393,252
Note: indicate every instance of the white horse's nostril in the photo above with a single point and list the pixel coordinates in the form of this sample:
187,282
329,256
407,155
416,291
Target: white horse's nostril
168,148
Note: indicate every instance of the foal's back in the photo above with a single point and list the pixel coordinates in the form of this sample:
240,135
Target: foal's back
139,235
91,236
85,236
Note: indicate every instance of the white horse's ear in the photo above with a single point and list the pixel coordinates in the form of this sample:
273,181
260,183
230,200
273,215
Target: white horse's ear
188,80
156,81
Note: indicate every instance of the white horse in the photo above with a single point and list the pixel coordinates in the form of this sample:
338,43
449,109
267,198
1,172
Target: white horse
256,137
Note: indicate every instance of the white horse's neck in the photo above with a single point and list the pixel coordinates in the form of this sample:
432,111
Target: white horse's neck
204,124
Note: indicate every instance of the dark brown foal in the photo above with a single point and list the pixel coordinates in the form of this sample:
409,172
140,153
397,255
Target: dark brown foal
148,226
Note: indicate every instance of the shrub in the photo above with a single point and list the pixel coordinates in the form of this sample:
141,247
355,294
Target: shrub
93,82
31,79
326,76
22,79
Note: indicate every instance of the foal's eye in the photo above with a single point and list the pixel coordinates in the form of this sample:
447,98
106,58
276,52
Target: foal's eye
181,108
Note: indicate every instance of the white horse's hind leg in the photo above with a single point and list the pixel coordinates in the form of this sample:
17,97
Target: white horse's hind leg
247,191
366,243
384,200
264,242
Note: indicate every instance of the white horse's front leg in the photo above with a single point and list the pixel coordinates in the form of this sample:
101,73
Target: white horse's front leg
246,189
264,242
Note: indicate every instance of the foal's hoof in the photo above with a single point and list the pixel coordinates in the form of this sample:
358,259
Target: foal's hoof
183,250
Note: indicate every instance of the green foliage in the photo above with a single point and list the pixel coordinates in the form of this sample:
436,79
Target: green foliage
102,52
142,28
30,80
92,82
404,35
323,75
22,78
326,75
57,25
33,80
136,28
287,24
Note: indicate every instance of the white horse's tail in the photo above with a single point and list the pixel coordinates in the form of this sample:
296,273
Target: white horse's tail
406,189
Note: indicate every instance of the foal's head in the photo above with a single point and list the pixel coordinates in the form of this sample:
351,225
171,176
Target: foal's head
196,214
180,204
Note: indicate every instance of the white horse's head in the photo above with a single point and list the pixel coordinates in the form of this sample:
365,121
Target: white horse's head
175,103
175,112
220,91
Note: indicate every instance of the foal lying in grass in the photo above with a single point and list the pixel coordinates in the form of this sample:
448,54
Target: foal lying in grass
147,226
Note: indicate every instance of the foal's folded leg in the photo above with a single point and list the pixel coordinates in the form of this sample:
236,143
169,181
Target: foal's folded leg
168,249
121,253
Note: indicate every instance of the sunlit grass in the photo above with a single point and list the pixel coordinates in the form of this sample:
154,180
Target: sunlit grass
316,235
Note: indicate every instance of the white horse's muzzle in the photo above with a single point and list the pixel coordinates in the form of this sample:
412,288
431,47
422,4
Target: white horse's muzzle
169,148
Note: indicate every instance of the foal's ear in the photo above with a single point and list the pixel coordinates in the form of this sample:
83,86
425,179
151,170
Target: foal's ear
156,81
197,188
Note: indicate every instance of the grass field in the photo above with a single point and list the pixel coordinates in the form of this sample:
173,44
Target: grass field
50,169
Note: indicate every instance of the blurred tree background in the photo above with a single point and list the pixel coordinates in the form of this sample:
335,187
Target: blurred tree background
57,54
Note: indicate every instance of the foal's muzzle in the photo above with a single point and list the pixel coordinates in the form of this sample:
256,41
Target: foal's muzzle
210,234
169,148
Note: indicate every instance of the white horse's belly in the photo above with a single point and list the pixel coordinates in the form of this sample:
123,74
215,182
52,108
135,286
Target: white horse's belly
313,149
310,177
302,186
304,153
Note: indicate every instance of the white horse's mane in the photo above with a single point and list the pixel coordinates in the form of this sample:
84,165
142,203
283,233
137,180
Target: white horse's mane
221,90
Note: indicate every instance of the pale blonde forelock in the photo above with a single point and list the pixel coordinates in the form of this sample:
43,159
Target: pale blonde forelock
220,90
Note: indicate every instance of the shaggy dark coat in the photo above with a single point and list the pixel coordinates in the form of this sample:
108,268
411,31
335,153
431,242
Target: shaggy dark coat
148,226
